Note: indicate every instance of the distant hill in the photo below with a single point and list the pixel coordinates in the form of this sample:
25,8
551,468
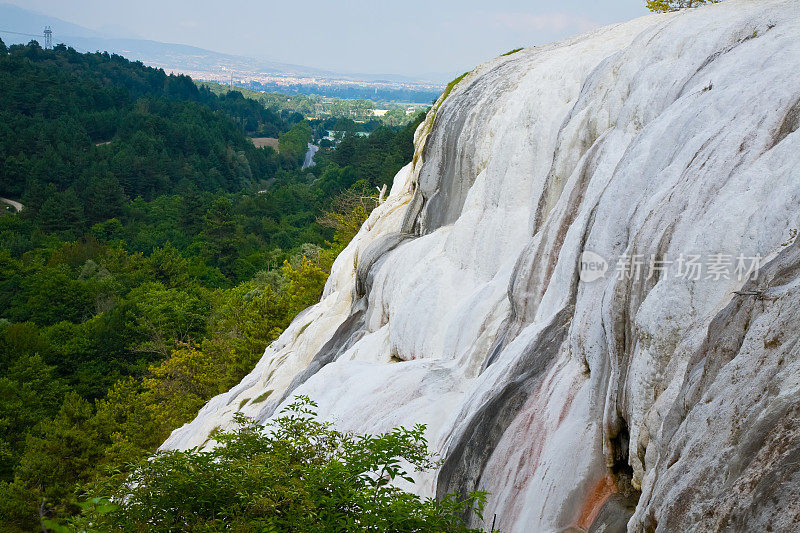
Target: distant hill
28,25
17,19
131,128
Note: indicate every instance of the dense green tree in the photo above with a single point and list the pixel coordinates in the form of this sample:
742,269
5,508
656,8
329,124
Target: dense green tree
170,267
145,274
62,211
59,454
12,272
19,340
29,392
103,127
53,295
219,235
164,317
192,211
299,475
102,198
293,144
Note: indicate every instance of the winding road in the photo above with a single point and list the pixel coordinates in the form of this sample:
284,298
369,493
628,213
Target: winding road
16,205
309,159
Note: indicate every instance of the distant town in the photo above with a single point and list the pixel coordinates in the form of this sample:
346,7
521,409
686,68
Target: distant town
395,91
259,75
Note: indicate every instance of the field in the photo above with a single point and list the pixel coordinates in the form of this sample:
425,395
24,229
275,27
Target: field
261,142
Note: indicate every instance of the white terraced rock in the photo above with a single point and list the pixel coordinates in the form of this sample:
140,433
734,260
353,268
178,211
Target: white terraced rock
662,401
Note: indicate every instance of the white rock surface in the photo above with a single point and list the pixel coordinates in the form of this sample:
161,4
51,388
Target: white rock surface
668,403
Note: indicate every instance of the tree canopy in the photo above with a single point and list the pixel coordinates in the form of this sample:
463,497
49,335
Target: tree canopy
296,474
146,275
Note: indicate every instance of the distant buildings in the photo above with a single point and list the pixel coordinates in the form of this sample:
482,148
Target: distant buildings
336,136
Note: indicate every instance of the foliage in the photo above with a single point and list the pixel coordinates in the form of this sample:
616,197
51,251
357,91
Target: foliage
661,6
445,94
201,343
293,144
121,315
31,392
295,474
450,87
350,211
511,52
82,133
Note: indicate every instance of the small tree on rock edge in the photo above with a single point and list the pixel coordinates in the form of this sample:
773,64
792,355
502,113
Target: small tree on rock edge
661,6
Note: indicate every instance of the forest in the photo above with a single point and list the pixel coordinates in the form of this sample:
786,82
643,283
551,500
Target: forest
157,254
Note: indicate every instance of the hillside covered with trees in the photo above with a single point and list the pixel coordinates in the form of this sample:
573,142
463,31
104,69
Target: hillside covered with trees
158,253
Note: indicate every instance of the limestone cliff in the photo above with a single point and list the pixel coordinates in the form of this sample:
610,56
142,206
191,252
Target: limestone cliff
659,394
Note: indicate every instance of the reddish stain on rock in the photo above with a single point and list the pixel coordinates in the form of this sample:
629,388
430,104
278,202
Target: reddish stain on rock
598,495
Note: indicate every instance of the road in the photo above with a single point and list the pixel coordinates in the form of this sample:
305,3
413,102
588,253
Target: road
309,159
16,205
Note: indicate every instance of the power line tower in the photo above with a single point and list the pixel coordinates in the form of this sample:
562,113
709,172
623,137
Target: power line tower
48,37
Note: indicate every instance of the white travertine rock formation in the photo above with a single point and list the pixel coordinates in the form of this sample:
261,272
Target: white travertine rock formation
654,402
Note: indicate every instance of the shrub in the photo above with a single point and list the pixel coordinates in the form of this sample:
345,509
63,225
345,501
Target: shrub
295,474
661,6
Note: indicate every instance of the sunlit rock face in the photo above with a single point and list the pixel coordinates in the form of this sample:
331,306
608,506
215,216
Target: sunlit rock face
655,397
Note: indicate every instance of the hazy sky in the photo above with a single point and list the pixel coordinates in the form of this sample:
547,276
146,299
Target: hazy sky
413,37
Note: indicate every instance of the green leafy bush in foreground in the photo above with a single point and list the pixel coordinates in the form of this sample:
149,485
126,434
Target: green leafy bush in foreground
295,474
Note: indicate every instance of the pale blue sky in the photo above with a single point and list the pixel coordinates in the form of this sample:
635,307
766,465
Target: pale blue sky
413,37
